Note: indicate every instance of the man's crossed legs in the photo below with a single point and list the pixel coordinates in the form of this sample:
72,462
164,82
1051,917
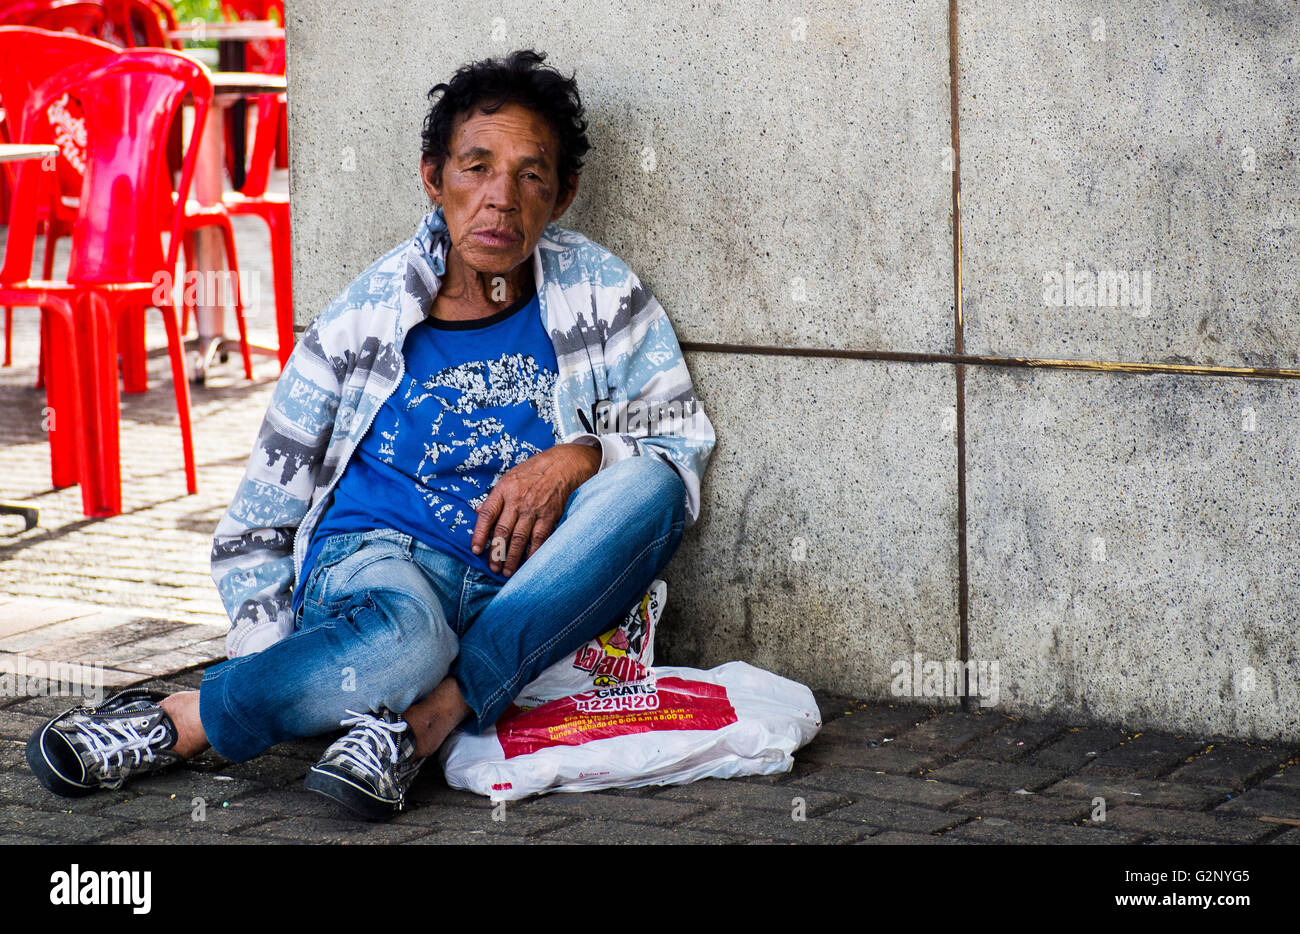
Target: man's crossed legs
398,641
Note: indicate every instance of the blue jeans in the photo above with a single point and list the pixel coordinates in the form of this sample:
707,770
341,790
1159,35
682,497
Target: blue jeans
385,618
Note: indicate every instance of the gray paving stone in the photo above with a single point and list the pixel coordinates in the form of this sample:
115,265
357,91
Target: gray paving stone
872,725
310,751
1231,765
949,732
167,835
233,816
1037,807
159,809
893,815
1001,775
328,830
513,821
1016,740
861,783
1264,802
719,792
802,766
165,663
1118,791
1288,779
474,838
23,614
887,757
106,646
1289,838
19,786
13,754
996,830
899,838
180,636
67,631
62,826
1076,747
772,827
608,807
1144,755
290,802
432,790
619,833
268,769
188,783
1166,822
183,681
44,706
18,724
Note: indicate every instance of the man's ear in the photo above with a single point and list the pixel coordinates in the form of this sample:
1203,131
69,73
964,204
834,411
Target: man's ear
566,199
431,176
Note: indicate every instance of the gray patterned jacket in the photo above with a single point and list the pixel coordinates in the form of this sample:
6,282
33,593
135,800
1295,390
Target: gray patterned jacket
623,385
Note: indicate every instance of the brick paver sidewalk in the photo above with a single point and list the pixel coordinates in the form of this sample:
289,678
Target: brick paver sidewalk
130,597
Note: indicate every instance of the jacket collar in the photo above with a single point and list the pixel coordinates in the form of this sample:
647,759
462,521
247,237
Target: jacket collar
426,263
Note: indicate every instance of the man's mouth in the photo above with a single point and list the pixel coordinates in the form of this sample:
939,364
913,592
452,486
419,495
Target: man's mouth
496,237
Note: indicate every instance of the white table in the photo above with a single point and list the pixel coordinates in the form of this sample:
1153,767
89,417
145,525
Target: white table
18,152
249,30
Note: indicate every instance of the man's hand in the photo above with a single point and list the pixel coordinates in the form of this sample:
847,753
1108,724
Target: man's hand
525,506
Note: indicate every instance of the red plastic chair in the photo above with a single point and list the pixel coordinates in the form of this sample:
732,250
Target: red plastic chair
264,56
140,23
28,57
117,253
82,17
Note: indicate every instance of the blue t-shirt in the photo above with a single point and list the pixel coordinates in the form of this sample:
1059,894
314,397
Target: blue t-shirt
476,399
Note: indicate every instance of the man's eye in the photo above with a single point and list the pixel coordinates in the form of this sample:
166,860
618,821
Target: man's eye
478,168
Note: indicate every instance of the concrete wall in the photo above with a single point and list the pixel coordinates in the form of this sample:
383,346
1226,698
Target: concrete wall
1133,539
780,177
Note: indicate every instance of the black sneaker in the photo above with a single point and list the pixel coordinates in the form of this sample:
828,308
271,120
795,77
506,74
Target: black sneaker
86,748
370,768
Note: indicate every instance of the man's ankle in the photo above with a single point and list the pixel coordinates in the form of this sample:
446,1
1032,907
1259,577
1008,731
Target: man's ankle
183,709
434,717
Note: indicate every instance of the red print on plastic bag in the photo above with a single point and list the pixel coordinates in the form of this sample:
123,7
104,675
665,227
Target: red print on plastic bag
662,704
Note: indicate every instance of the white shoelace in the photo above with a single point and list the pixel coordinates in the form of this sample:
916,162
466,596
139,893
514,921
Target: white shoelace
363,754
109,742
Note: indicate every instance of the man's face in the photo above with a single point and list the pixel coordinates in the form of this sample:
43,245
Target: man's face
499,187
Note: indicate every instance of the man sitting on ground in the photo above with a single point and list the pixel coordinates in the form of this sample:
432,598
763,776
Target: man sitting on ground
476,458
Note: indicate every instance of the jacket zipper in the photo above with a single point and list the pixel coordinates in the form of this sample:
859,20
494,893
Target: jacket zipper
401,371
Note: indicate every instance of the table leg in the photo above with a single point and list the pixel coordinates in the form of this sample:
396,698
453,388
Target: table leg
230,57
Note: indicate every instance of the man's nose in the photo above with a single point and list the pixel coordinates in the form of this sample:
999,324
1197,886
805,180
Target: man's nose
503,193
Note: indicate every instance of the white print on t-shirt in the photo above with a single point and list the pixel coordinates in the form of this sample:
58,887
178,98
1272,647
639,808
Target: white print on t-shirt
510,380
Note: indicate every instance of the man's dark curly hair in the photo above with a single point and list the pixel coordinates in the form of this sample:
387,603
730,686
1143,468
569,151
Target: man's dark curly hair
488,85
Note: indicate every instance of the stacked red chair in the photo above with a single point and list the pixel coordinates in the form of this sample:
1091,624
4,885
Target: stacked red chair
117,253
84,17
28,57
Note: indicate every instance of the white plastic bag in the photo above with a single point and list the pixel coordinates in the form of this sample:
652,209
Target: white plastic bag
675,726
623,654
